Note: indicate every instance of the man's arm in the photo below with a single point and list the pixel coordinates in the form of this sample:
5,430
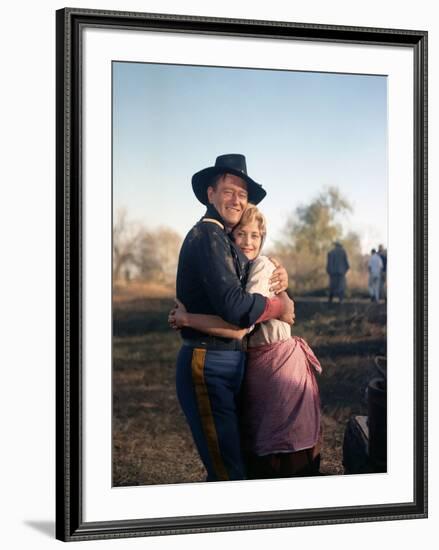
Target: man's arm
281,307
220,282
260,281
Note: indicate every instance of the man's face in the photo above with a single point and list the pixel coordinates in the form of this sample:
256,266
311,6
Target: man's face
229,198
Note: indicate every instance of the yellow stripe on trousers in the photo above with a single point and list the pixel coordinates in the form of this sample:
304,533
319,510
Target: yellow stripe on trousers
205,410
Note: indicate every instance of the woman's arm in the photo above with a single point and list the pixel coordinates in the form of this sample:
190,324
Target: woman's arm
260,281
209,324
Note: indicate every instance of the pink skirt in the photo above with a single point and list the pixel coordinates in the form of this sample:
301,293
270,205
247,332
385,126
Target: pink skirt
281,402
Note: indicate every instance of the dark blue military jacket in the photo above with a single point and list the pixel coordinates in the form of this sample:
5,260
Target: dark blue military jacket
211,276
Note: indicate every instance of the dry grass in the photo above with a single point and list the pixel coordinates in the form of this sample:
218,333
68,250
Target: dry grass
151,441
126,292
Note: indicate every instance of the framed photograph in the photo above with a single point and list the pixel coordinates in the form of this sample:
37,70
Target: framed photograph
294,156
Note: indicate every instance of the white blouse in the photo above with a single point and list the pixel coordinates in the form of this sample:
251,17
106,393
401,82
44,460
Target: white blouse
258,281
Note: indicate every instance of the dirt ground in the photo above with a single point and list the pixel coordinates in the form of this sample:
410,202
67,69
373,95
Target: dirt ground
151,441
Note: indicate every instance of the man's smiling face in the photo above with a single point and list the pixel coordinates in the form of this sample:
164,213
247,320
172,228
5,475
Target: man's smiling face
230,198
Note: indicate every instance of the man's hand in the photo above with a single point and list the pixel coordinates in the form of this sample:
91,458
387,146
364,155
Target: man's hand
279,278
177,316
288,315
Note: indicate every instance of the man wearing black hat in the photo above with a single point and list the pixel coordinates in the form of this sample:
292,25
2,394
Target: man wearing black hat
211,277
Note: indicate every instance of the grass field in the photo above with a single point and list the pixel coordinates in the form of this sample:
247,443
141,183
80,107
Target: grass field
151,441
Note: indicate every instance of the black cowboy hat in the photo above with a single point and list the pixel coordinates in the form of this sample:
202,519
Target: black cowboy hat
230,164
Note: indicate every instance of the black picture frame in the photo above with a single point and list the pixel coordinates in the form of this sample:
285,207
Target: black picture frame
70,525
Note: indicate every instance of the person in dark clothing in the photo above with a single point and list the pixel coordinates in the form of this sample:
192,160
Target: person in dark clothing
337,266
211,276
382,252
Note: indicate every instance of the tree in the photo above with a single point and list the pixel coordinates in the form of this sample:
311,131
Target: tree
168,248
126,237
139,253
156,255
309,234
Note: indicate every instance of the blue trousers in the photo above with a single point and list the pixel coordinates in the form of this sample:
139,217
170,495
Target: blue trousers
208,385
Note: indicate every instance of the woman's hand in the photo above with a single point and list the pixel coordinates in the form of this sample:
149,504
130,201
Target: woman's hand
279,278
177,316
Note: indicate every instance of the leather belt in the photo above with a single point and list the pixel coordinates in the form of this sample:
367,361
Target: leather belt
211,342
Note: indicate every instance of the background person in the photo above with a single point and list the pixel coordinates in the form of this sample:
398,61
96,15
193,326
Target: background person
375,268
382,252
337,266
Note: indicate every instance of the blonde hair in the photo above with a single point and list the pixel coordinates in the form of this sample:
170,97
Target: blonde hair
253,214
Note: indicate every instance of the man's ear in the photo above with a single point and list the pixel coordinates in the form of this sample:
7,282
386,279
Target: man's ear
210,192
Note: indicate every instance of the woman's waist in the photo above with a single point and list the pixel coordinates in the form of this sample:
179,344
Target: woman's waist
269,333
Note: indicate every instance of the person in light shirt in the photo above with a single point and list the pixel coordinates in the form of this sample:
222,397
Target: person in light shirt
375,268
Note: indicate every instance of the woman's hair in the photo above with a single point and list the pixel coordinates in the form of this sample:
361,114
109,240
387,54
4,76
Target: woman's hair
253,214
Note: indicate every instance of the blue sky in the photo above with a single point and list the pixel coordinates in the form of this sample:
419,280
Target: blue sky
300,132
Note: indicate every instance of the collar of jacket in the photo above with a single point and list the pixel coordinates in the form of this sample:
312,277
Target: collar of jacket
212,213
241,262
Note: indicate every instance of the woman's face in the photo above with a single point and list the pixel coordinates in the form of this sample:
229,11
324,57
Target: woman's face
249,239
